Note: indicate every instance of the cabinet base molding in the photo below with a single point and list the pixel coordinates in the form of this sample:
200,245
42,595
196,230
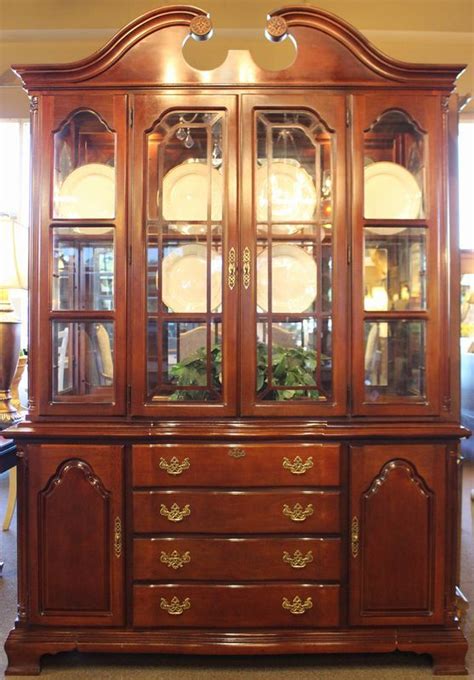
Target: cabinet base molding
25,647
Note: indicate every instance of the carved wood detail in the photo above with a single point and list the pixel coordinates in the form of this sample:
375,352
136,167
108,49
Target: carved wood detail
75,464
398,464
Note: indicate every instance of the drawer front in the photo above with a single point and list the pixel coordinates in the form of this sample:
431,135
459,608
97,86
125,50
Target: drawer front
237,559
234,465
244,606
243,512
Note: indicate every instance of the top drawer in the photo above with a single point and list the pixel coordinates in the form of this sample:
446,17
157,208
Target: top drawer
234,465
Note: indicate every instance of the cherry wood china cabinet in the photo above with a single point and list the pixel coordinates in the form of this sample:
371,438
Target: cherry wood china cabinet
244,417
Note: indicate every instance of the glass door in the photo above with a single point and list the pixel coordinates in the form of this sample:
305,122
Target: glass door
184,253
293,255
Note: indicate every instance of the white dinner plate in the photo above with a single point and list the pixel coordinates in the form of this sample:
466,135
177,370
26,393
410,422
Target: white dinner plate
87,193
184,275
185,190
390,192
294,281
292,194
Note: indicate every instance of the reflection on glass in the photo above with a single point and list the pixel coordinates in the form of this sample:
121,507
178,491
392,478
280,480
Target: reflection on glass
291,370
394,172
189,371
394,360
394,269
83,268
83,361
84,168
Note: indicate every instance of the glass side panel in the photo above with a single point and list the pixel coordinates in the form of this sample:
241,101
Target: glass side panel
395,359
83,268
84,168
293,216
83,361
185,228
394,172
394,269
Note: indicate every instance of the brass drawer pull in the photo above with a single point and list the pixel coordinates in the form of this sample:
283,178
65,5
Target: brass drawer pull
298,561
298,514
355,536
175,607
237,453
246,259
118,537
174,467
231,269
297,606
175,514
297,467
174,560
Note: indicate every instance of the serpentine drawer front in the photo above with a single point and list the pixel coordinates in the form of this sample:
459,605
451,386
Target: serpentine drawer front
273,605
217,512
236,559
287,464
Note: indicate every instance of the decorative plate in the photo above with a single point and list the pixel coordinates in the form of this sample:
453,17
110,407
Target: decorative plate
292,194
294,280
87,193
390,192
184,273
185,192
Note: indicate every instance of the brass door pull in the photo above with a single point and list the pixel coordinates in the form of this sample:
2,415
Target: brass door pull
297,467
118,537
175,607
297,606
355,536
298,560
175,514
297,513
236,453
174,467
174,560
246,265
231,269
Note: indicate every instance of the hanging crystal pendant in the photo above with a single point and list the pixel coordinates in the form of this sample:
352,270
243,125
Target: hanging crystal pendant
216,156
181,132
189,141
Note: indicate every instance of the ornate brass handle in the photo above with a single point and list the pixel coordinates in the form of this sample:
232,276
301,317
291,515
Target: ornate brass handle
175,607
118,537
298,514
355,536
297,606
237,453
174,467
246,260
174,560
231,268
297,467
175,514
298,561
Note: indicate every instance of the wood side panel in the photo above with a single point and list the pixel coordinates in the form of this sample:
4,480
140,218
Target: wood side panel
397,560
75,565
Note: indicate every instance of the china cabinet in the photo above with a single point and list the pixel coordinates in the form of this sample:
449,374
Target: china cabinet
244,418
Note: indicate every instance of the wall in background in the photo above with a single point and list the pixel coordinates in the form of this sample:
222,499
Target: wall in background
33,31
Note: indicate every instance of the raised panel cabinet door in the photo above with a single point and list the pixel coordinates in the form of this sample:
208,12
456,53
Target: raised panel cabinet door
397,532
75,549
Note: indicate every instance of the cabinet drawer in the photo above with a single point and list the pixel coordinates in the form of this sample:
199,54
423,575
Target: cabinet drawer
248,606
244,512
237,559
236,464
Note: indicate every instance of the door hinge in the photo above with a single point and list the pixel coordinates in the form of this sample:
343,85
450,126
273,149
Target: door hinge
349,254
348,117
349,398
129,397
129,255
130,116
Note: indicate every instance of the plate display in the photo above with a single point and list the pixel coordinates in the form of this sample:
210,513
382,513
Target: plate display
292,194
294,281
184,276
390,192
185,190
87,193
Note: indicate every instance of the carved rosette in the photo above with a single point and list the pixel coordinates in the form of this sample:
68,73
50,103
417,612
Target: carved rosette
277,29
201,28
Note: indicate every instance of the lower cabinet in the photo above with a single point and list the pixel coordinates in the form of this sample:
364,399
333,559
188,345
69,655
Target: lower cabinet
397,525
75,544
